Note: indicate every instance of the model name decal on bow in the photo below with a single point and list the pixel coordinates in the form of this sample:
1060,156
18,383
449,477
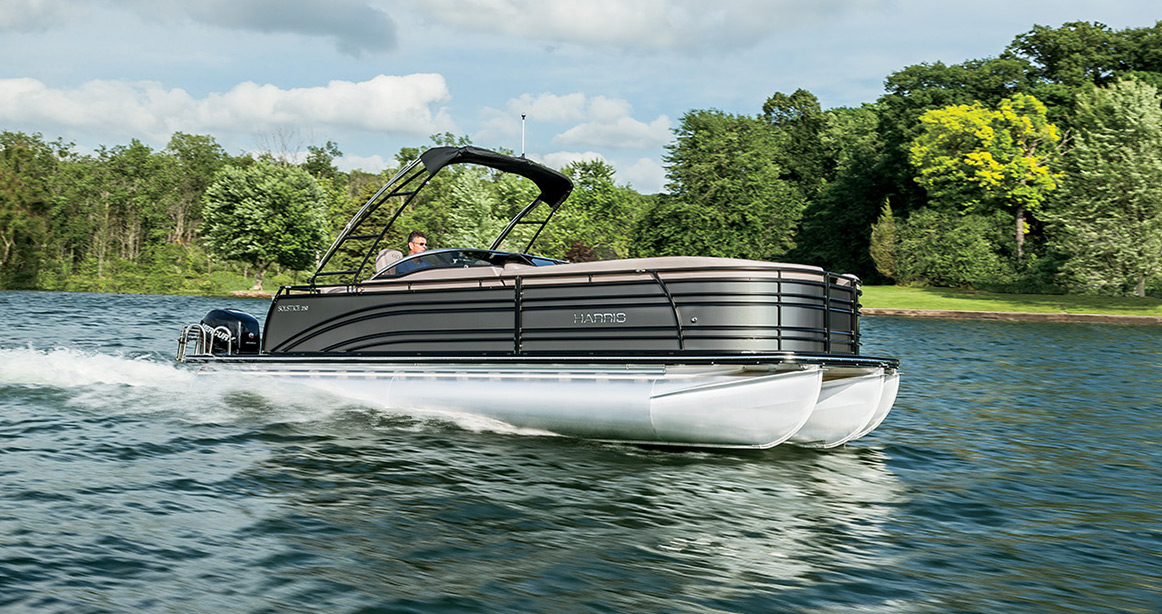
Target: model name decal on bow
293,307
599,318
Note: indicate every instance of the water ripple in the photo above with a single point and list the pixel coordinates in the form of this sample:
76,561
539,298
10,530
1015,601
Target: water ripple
1020,471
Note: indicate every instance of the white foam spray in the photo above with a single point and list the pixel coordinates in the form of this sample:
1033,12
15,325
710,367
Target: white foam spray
113,384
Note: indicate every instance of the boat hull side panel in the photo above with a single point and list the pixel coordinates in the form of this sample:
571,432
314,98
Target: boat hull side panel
456,320
765,314
629,313
543,313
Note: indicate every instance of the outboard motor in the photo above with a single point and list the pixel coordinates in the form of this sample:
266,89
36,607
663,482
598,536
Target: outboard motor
235,332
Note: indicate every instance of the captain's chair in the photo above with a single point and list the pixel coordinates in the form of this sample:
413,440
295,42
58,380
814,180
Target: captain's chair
386,257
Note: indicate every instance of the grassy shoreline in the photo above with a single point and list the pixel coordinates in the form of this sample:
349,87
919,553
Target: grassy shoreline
948,299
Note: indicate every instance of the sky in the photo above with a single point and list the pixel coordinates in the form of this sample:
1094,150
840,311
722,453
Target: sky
595,79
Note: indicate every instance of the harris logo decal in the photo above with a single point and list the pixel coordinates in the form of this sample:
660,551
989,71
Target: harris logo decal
599,317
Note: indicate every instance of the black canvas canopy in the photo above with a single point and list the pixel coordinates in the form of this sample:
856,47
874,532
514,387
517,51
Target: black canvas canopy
554,186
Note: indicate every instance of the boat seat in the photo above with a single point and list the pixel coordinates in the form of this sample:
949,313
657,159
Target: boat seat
386,257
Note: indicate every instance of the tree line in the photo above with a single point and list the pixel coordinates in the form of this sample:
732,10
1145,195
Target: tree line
1037,170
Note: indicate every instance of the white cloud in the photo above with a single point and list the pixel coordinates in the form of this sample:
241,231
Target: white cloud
551,107
31,15
561,159
504,125
402,105
367,164
354,26
651,25
617,132
589,121
645,176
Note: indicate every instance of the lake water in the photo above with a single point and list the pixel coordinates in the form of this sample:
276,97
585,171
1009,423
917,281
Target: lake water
1020,471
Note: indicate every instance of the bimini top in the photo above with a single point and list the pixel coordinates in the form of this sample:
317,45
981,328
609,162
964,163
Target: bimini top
554,186
351,258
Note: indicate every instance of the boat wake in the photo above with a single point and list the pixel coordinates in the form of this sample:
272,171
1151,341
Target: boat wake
68,368
114,384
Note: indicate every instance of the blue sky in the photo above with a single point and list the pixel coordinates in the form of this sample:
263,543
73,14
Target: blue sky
603,79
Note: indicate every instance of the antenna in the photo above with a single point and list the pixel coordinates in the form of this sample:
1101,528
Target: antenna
522,135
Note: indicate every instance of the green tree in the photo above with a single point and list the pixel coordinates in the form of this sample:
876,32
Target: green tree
320,160
340,203
472,219
802,122
1108,216
727,193
883,242
79,215
1140,53
973,158
836,228
113,206
27,166
1066,58
917,89
595,222
197,159
141,193
265,214
947,249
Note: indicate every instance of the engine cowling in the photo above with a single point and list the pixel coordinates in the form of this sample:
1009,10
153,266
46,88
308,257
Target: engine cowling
235,332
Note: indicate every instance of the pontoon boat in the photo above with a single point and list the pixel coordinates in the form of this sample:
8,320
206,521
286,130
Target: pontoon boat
685,351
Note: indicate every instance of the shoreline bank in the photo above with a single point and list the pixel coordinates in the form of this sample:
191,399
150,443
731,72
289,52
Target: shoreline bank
1012,316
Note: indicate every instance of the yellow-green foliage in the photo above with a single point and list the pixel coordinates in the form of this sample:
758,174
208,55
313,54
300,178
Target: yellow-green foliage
969,155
